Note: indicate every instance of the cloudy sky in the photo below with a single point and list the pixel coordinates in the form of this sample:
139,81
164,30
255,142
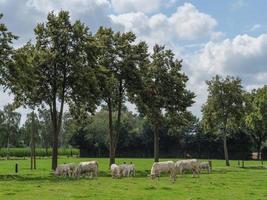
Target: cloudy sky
212,37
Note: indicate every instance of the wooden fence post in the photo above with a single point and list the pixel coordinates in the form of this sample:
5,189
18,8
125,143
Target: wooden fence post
210,164
16,168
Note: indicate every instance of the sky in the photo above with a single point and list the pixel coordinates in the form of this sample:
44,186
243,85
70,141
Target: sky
212,37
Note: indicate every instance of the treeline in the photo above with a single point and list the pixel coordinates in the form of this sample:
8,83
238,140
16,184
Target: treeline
67,65
40,152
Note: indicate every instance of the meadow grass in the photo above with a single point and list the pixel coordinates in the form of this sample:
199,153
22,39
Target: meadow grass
223,183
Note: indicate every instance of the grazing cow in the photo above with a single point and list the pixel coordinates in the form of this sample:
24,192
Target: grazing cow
87,168
131,169
124,169
127,170
65,169
187,165
116,171
158,167
205,166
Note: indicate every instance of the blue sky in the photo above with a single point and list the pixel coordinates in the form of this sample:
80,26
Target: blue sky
212,37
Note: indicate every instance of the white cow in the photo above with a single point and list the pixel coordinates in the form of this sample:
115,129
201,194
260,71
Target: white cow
127,170
116,171
159,167
187,165
131,170
87,168
65,169
205,166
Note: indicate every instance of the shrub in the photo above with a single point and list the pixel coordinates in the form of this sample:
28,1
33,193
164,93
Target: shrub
41,152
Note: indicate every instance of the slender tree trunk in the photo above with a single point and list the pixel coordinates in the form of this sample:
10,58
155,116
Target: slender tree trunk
57,119
7,156
54,138
111,135
118,123
33,133
156,144
32,143
55,149
259,151
225,149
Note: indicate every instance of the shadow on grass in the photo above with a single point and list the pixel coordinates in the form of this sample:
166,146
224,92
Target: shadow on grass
254,167
139,174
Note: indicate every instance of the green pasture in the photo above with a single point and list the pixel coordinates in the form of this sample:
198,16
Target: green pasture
223,183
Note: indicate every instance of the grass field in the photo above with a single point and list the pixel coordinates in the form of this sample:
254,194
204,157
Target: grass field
223,183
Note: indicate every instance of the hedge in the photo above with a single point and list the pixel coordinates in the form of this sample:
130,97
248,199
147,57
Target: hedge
41,152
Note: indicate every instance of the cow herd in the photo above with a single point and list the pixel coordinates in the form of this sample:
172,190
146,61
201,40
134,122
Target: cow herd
90,168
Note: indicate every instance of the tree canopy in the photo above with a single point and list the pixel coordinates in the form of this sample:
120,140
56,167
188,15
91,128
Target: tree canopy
223,110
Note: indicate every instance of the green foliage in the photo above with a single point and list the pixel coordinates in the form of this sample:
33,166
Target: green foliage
256,118
224,106
6,49
9,127
118,64
60,66
41,152
163,88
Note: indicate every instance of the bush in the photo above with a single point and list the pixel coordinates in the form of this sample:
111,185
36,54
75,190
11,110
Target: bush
41,152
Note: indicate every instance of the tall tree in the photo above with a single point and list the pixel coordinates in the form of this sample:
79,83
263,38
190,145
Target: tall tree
119,61
223,109
256,118
163,91
57,69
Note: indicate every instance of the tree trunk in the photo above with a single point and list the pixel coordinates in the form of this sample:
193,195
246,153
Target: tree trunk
156,144
111,135
118,123
259,152
54,138
7,156
55,149
225,149
33,133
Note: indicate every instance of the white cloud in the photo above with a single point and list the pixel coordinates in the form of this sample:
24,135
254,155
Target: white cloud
243,56
255,27
145,6
238,4
187,23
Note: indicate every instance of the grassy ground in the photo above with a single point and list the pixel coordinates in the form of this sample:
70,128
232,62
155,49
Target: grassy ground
224,183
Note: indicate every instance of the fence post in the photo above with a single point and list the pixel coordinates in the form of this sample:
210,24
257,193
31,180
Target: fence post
243,164
238,163
16,168
210,164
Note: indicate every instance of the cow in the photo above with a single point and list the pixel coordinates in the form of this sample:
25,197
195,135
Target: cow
205,166
187,165
159,167
127,170
116,171
87,168
65,169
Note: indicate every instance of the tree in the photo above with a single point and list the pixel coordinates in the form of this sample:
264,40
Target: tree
163,91
6,49
10,126
223,109
256,118
118,62
60,66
